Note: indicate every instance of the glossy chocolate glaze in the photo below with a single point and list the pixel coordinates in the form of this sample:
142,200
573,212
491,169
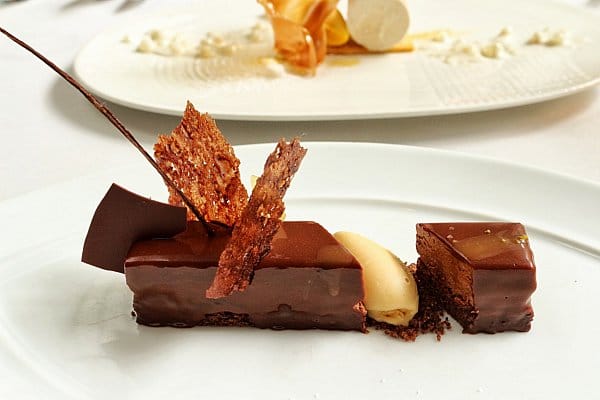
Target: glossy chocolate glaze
484,270
308,280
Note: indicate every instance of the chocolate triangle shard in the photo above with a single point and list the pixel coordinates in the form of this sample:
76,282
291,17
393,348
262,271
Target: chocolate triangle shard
121,219
260,220
482,272
202,164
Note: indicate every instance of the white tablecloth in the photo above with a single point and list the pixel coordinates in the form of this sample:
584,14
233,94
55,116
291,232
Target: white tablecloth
50,134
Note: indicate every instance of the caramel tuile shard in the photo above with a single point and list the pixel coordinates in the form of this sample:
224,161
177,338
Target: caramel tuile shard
260,220
299,29
203,165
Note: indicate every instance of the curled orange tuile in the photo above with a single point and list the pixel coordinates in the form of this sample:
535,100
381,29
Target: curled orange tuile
299,29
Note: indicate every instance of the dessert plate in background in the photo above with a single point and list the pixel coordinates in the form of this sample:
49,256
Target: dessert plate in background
66,329
376,86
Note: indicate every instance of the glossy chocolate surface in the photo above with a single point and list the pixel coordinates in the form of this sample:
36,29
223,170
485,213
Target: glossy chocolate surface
497,267
308,280
487,245
123,217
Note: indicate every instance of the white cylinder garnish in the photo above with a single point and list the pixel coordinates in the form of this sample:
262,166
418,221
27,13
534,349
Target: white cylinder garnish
377,24
390,289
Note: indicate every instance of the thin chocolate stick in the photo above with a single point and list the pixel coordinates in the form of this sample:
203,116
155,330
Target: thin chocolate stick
112,118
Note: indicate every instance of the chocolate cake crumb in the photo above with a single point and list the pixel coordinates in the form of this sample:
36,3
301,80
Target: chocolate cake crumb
429,319
226,319
260,220
203,165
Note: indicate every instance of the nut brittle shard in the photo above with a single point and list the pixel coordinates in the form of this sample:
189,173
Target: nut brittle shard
260,220
203,165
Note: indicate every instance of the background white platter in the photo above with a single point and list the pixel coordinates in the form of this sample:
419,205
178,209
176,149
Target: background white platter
391,85
66,329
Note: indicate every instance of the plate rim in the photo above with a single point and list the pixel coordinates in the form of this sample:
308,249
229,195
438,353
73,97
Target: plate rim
321,147
268,146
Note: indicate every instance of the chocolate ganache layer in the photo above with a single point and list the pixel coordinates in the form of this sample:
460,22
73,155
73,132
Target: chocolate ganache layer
308,280
484,273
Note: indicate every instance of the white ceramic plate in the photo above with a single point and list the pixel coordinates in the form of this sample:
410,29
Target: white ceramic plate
392,85
66,329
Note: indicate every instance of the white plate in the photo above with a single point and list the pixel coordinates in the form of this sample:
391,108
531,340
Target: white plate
392,85
66,330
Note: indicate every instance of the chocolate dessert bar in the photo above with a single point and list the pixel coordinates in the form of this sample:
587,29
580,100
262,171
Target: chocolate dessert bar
483,273
226,259
308,280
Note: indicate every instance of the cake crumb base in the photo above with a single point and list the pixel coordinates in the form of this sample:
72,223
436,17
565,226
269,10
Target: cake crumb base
429,319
